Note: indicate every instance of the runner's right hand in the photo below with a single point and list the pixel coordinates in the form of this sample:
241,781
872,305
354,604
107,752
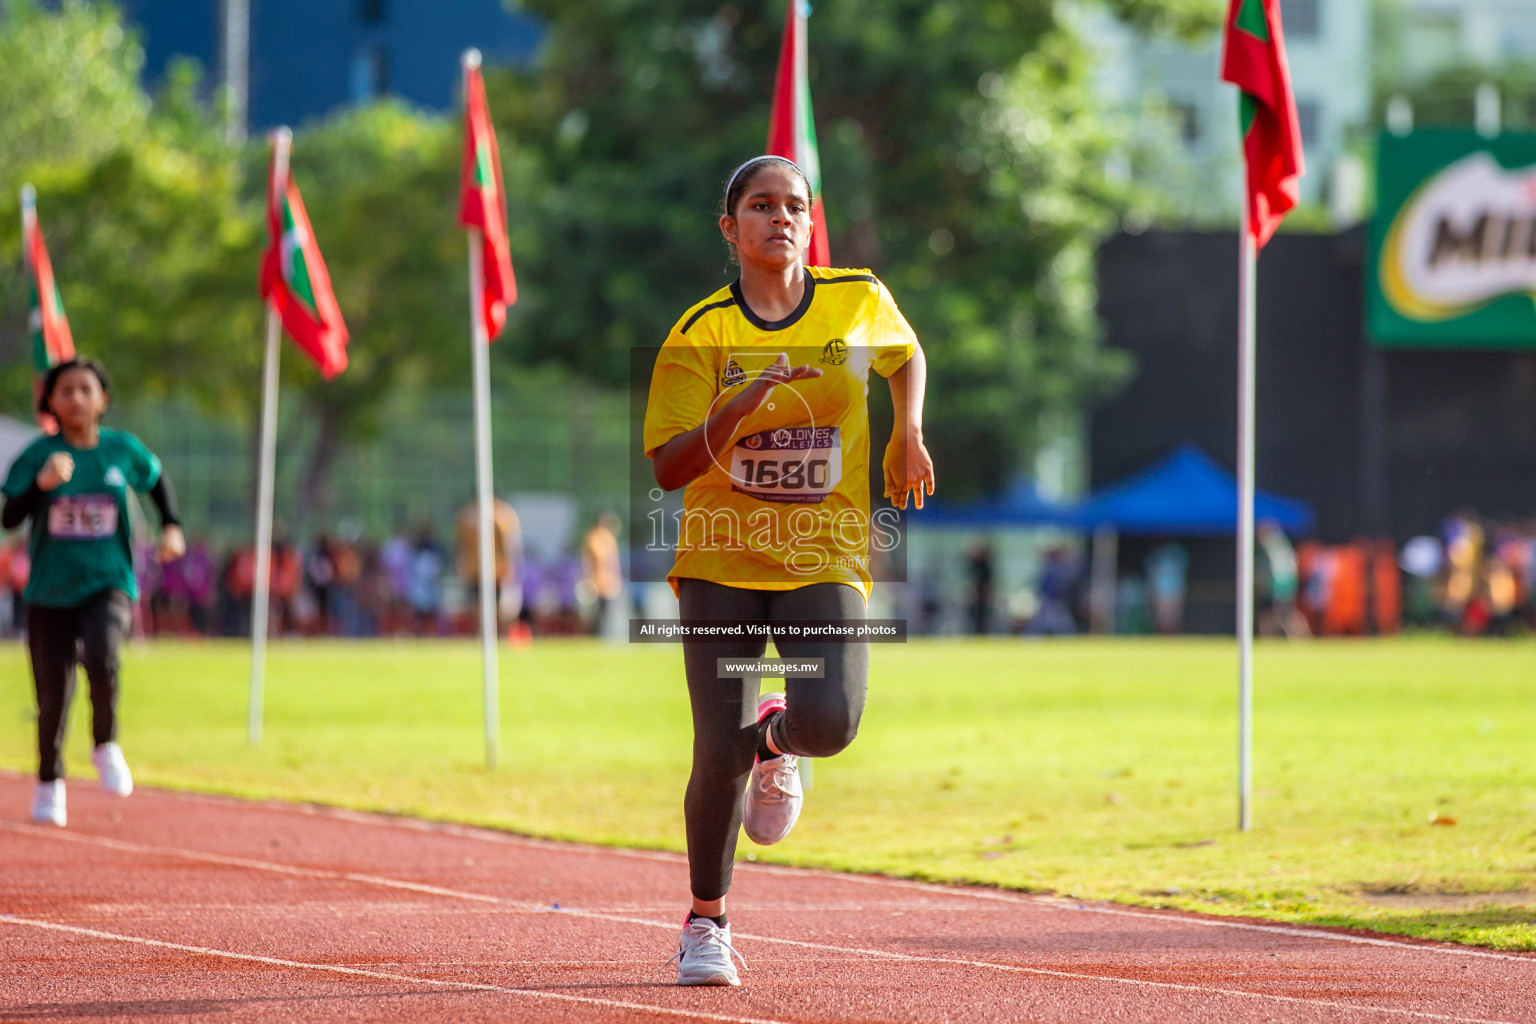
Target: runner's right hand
57,470
756,393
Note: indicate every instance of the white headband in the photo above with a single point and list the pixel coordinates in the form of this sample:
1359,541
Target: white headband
766,156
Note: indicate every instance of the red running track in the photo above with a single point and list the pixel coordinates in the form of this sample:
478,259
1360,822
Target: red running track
169,907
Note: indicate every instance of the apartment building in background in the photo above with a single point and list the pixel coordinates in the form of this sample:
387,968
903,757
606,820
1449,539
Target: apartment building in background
1441,33
1175,88
308,57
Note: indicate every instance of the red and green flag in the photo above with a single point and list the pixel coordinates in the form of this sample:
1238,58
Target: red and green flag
51,341
1254,61
792,129
483,204
294,280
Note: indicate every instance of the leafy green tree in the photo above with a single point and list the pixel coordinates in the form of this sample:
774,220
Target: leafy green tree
381,185
151,244
154,254
963,153
963,158
69,90
156,228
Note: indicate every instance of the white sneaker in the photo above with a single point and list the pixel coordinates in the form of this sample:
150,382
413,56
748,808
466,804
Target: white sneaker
112,769
704,954
774,793
48,803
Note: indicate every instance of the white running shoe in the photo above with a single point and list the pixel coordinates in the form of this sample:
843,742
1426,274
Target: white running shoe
112,769
48,803
774,793
704,954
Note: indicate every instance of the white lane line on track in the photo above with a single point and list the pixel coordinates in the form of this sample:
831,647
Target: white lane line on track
461,986
1043,902
377,880
1186,917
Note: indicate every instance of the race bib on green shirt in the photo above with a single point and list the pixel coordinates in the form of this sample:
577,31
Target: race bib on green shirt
82,516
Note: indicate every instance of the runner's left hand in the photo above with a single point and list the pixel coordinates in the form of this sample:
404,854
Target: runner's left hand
173,544
908,467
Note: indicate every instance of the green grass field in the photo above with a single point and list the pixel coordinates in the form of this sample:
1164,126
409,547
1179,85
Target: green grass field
1100,769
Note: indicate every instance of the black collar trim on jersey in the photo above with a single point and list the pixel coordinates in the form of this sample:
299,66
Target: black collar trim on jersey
775,325
722,304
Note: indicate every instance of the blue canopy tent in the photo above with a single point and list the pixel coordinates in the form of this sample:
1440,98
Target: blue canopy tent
1020,505
1187,494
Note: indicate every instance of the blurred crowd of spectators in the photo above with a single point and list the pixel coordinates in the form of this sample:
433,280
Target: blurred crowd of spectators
1475,578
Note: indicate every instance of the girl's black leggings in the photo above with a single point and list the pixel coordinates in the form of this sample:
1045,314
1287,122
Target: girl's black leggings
821,718
91,633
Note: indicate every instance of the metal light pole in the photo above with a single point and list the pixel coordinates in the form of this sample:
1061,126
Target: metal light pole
237,67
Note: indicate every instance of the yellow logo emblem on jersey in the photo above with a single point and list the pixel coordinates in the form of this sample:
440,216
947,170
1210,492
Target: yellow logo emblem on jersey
835,352
734,375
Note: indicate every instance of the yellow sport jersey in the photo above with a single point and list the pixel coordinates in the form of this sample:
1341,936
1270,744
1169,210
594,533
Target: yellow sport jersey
787,503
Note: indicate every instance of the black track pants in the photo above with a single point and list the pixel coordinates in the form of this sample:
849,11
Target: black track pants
821,718
90,632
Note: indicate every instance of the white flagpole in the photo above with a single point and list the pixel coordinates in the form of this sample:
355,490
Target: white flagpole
484,493
282,139
28,214
1246,433
28,218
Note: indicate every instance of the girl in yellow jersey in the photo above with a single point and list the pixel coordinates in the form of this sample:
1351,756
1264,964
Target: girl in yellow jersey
758,405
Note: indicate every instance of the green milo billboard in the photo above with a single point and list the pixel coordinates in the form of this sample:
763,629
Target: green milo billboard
1453,242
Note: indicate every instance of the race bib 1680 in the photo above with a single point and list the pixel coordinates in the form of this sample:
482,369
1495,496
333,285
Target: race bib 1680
797,464
82,516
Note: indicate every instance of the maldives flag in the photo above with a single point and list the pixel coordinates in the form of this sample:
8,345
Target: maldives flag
791,128
51,341
294,279
483,202
1254,61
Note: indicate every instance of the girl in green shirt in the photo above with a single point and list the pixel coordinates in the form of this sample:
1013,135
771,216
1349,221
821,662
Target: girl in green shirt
74,486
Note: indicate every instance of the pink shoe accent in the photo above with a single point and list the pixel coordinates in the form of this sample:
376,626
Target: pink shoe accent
771,703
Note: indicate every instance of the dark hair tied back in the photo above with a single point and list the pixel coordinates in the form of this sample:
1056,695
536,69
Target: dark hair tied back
737,185
58,370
